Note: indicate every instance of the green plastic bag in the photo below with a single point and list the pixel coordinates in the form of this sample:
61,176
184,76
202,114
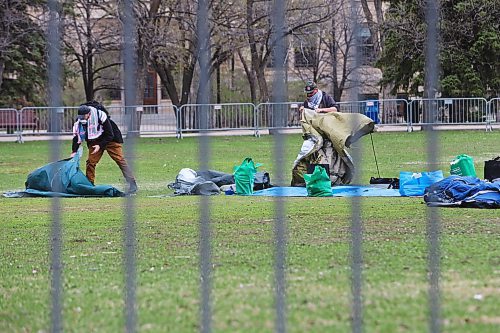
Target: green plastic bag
244,176
463,165
318,183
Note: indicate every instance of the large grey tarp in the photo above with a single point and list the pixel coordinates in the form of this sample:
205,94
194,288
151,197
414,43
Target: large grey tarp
63,179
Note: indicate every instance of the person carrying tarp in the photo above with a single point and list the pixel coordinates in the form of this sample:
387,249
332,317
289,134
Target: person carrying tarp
326,137
102,134
317,99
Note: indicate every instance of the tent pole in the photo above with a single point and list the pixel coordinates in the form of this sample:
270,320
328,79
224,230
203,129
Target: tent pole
375,155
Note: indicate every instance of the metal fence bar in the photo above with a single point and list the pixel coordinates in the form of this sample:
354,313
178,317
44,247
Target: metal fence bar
129,52
279,121
204,122
431,113
55,92
356,226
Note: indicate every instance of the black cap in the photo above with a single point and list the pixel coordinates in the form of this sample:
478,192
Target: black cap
310,86
83,109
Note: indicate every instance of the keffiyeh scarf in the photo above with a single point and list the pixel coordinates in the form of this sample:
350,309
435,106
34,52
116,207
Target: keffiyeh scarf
94,127
315,100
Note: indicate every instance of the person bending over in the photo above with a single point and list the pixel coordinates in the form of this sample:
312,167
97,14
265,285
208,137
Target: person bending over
102,134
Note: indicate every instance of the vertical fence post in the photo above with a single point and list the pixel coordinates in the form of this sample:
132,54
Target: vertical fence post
54,68
279,117
202,27
433,218
356,245
129,238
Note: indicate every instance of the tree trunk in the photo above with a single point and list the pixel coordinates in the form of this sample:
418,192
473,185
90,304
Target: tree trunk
380,21
372,25
167,80
261,80
250,77
258,65
2,67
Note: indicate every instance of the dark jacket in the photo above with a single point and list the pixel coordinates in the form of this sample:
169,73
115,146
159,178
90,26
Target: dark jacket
111,133
327,101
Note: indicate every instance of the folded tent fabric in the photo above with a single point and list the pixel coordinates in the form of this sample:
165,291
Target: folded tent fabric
188,182
326,137
64,178
208,182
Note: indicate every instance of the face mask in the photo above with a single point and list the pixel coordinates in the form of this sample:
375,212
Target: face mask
83,121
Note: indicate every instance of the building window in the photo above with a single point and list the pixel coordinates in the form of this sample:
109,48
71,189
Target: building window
366,49
149,89
115,94
305,57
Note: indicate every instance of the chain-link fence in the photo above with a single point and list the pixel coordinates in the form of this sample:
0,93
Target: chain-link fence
204,117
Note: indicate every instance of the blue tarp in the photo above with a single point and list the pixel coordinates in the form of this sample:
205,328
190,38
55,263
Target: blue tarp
63,179
337,191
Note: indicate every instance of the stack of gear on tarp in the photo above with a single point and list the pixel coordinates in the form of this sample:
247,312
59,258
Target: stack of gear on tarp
211,182
63,179
326,137
467,192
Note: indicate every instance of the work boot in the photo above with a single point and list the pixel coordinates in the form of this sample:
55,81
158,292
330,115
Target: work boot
132,187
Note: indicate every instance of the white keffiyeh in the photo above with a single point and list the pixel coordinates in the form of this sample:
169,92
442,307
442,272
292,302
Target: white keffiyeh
94,127
315,100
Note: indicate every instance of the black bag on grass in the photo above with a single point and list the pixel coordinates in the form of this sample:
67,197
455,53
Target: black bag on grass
261,181
390,182
492,169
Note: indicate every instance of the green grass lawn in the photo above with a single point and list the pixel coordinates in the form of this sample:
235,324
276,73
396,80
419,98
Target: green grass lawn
318,269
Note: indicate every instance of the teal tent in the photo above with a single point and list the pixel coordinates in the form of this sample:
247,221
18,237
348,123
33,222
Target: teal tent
64,179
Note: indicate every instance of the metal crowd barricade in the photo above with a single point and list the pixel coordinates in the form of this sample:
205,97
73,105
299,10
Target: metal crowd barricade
150,119
493,113
9,123
37,119
221,117
265,115
384,112
460,111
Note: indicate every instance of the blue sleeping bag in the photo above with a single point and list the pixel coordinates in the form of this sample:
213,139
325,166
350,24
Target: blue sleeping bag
467,192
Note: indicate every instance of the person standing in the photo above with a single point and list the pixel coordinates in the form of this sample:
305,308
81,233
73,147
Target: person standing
317,99
102,134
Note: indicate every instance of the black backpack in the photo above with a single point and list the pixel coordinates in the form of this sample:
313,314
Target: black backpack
97,105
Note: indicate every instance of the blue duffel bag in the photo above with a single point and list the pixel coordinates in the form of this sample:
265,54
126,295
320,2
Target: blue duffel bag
414,183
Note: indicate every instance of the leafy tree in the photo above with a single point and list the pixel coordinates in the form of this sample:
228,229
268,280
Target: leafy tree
469,47
22,54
